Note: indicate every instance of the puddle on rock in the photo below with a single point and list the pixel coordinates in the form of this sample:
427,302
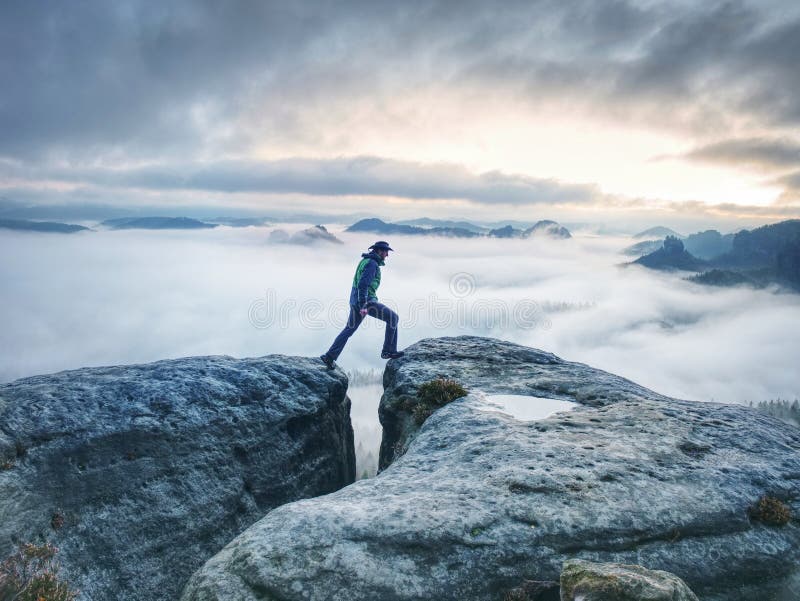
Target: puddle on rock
527,408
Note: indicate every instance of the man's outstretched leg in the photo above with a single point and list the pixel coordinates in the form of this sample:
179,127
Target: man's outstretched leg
353,321
384,313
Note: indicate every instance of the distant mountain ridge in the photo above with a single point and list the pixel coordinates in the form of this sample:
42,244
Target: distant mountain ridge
379,226
428,222
708,244
311,235
27,225
547,227
704,245
658,231
762,246
672,255
156,223
645,247
544,227
766,255
240,221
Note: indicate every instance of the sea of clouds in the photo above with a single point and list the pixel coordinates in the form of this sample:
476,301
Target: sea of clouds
110,297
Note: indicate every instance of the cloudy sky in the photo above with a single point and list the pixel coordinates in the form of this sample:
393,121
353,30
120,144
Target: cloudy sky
668,112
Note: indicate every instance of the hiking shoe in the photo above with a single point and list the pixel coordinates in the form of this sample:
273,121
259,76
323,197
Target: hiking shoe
394,355
329,363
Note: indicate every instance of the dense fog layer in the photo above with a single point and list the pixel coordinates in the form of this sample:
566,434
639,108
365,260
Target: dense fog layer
108,297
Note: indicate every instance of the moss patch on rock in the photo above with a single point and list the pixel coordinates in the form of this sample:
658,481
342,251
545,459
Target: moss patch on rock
434,394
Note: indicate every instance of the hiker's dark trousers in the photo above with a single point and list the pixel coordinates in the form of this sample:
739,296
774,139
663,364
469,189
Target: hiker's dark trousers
374,309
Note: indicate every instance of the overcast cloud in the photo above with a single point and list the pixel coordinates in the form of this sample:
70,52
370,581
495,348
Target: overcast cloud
129,72
270,96
762,153
332,177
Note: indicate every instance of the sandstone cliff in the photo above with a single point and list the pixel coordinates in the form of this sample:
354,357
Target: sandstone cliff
140,473
481,501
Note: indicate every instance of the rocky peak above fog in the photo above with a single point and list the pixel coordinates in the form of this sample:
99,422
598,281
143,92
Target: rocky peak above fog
474,502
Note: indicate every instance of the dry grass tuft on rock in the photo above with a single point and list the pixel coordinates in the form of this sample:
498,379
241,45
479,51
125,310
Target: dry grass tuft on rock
31,574
771,511
434,394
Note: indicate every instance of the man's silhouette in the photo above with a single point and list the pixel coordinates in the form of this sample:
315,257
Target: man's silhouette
364,301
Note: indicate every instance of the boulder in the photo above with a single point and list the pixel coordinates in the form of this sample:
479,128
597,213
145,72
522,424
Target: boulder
139,473
588,581
489,365
480,501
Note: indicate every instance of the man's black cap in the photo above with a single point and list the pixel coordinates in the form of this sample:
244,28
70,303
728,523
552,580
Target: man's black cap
381,245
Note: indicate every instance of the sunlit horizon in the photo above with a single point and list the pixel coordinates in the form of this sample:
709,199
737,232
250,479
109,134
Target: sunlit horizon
631,114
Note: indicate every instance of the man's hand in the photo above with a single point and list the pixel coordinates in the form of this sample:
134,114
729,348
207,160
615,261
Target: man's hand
363,312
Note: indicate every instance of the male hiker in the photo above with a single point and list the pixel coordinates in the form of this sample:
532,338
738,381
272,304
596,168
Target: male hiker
363,302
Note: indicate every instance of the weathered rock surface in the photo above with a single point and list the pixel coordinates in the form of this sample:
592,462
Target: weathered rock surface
589,581
481,502
493,366
140,473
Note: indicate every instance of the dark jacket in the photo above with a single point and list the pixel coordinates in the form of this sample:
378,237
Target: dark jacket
366,280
